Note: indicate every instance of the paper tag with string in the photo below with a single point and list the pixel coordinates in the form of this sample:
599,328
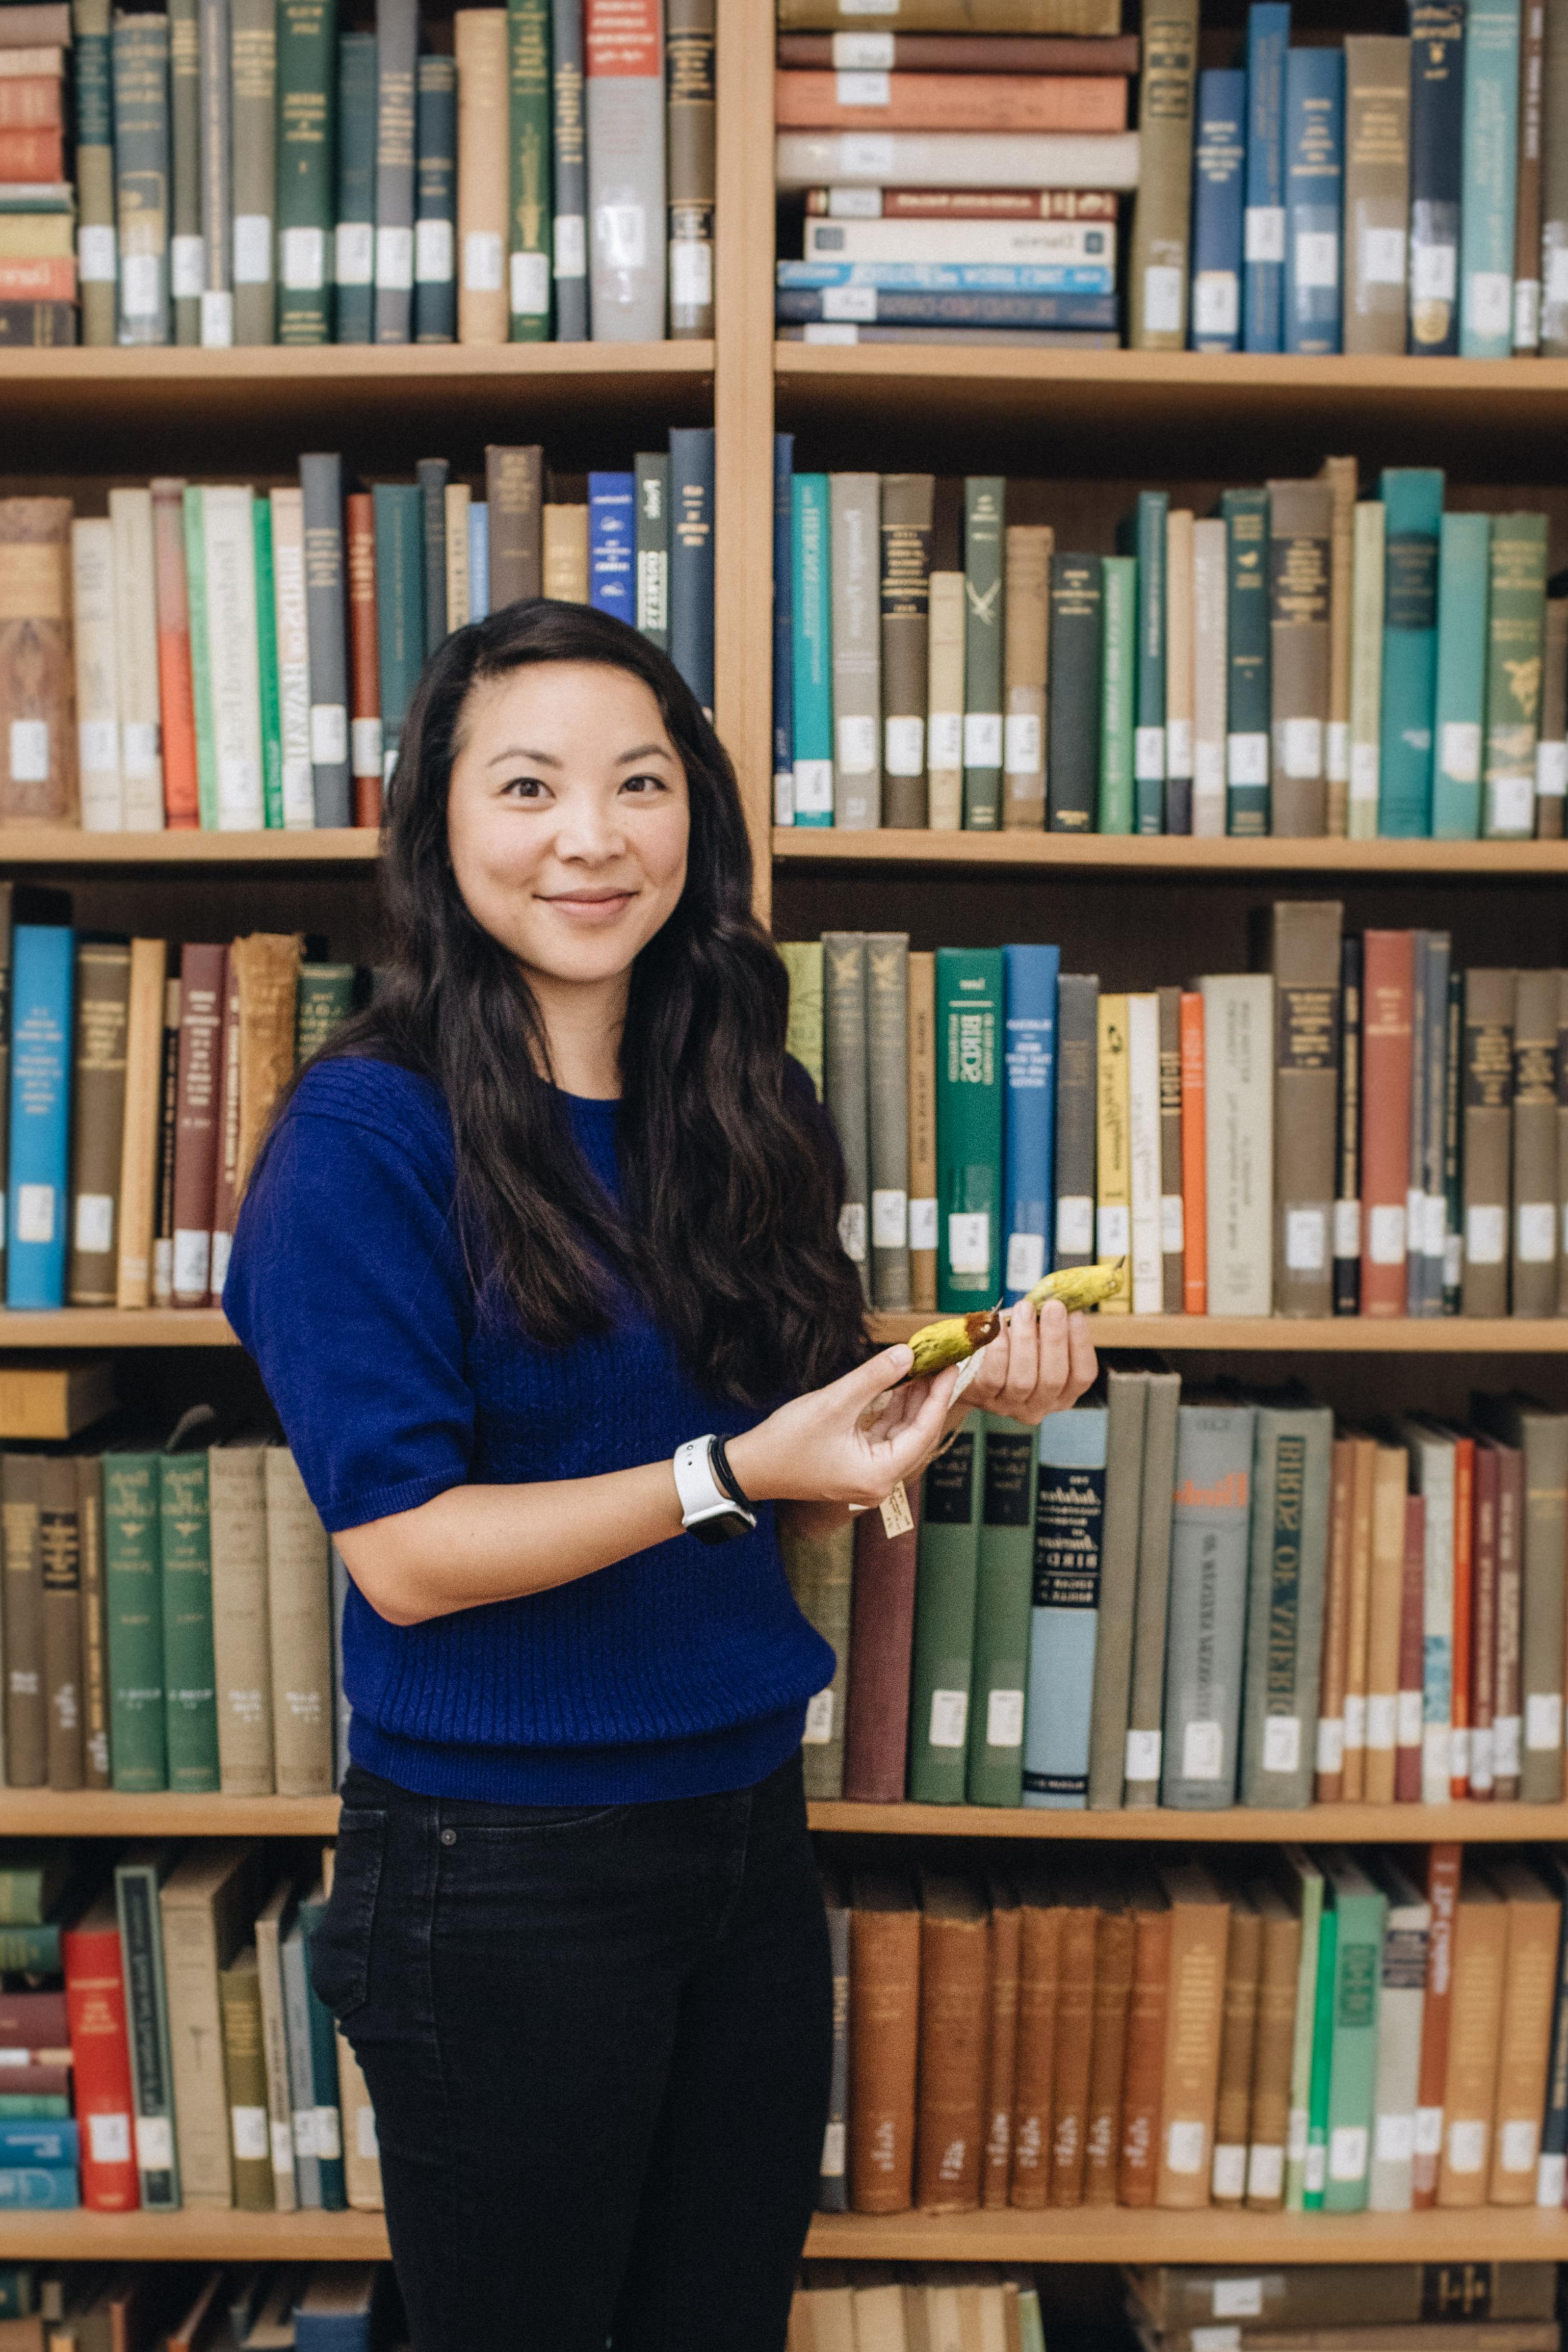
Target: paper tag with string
898,1519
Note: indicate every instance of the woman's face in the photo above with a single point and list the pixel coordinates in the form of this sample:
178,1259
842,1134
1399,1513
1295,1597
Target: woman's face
568,817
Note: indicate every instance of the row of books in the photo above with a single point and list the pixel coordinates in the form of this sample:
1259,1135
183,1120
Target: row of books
245,174
176,663
857,2307
129,1977
1358,1128
174,2307
1313,2031
1303,662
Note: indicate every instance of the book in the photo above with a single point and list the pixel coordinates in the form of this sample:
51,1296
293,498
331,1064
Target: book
1203,1656
300,1633
1360,1912
1172,1217
887,1066
1238,2032
1069,1513
1210,674
435,200
1028,1123
812,650
1040,1919
243,1666
138,68
1368,581
102,991
1401,1998
1535,1152
691,559
952,1494
1126,1400
1488,1140
479,41
39,782
1527,215
60,1609
1268,39
1078,998
1300,524
983,564
1516,620
846,1088
612,544
97,679
1238,1016
22,1622
1146,1687
97,245
1112,1216
954,1966
1073,752
1288,1564
1158,266
529,104
624,102
1436,172
1463,572
689,131
1341,475
1385,1065
1200,1919
1305,963
216,201
305,62
884,2024
1534,1930
1412,498
881,1641
400,624
323,2058
922,1128
1002,2041
1489,183
855,501
139,1875
207,1904
1076,17
808,99
1219,158
396,44
1314,175
41,992
957,159
970,1013
905,537
1249,715
253,69
1479,1948
1376,190
185,1541
957,52
819,1570
1027,635
513,496
320,483
1144,535
1280,1965
1148,2006
1543,1439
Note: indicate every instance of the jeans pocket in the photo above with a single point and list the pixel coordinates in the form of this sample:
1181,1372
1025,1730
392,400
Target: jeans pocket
341,1948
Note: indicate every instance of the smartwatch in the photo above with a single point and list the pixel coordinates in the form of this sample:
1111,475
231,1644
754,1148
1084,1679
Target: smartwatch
714,1507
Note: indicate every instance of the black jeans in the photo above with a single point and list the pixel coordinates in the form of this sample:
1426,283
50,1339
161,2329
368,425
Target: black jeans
597,2039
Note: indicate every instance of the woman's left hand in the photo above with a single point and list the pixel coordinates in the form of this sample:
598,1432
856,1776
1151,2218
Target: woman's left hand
1032,1367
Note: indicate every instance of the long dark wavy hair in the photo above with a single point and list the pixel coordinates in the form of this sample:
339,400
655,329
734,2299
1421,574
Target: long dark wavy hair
730,1180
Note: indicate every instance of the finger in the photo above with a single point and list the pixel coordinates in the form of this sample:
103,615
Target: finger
907,1445
1085,1363
1023,1356
872,1379
1056,1349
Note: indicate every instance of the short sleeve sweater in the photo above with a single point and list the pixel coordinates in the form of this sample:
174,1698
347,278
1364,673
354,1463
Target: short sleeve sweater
681,1671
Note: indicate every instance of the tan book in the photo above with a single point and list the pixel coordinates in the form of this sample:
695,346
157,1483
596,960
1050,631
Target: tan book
208,1903
1475,2020
1530,1981
1304,958
40,1398
241,1636
1180,679
298,1606
1158,271
459,498
1239,2038
1327,1783
478,43
1074,2038
1340,473
1278,1969
1359,1619
99,1018
1115,1942
955,1961
566,554
244,2074
273,1922
94,1623
59,1563
1143,2069
1300,536
1391,1477
1002,2044
95,666
820,1568
37,722
1534,1221
267,968
884,2036
923,1130
21,1622
906,530
1039,1959
944,703
361,2150
1112,1155
1239,1140
1026,673
1200,1932
1376,190
136,659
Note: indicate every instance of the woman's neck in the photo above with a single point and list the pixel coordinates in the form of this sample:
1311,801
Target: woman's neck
582,1024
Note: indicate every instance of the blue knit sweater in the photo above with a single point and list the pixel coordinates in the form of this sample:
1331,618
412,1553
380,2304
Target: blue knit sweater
680,1671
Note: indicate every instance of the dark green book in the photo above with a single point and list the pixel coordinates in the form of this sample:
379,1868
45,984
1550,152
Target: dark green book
970,1074
399,605
138,1878
307,48
1072,758
325,995
135,1617
354,262
185,168
985,543
1004,1579
267,665
323,2065
528,169
141,62
431,473
253,32
190,1674
96,259
1146,540
1249,716
569,173
947,1565
652,545
436,201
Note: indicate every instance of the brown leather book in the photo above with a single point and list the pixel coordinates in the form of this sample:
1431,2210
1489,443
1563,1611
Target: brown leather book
1273,2049
27,1738
1172,1250
1390,1478
1115,1942
267,967
139,1127
1535,1215
1509,1704
808,100
1475,2021
1530,1983
1386,994
203,972
365,657
1075,2027
97,1119
1363,1474
1341,476
881,1639
1412,1603
39,770
1488,1082
1200,1930
565,553
1044,53
1304,958
1143,2070
1039,1960
226,1190
1239,2038
1025,672
884,2041
514,488
1002,2041
480,44
922,1128
1300,533
1483,1626
1377,190
955,2040
60,1556
906,533
168,1132
1328,1784
94,1623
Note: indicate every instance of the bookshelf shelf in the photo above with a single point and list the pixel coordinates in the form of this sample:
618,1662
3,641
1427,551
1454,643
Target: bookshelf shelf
54,845
106,1812
193,2235
1451,1335
104,1327
813,847
1115,2235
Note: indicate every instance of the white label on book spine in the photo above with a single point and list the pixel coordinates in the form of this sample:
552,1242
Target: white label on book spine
691,273
367,752
1395,2140
1026,1260
1331,1743
818,330
1347,2152
303,259
571,245
1467,2145
923,1227
530,285
1489,302
1075,1225
252,2142
1355,1719
98,743
904,746
833,2151
1238,2298
1434,272
1143,1756
29,750
1536,1236
1172,1225
1005,1719
94,1222
139,287
1317,2167
890,1220
1281,1743
1365,772
1516,2145
1203,1749
1512,804
983,739
1337,751
1301,747
1113,1226
109,2137
1382,1720
1407,1720
1386,1233
1542,1721
328,734
96,256
1317,258
1347,1229
1265,2169
854,738
329,2137
1551,2180
1178,747
1217,302
1462,751
193,1262
1505,1747
620,232
1185,2141
867,154
863,89
395,258
856,203
1229,2174
186,268
1477,1770
1162,299
1383,257
433,253
969,1241
35,1212
944,738
949,1718
862,52
252,249
1306,1240
818,1730
481,262
813,788
139,741
1428,2131
217,319
1557,274
282,2136
155,2142
1021,746
1264,232
1149,754
1526,313
1551,771
1486,1233
364,2134
852,1231
1247,759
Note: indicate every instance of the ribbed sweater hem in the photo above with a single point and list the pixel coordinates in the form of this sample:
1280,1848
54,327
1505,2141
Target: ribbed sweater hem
629,1775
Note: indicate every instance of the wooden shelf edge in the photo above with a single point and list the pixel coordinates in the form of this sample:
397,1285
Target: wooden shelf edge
335,363
1114,2234
195,2235
1167,852
64,846
1224,376
106,1326
109,1812
1448,1335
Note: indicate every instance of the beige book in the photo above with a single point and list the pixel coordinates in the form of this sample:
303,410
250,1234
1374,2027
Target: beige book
566,554
460,609
923,1130
880,2318
1239,1140
1200,1933
945,702
1376,190
273,1922
143,1112
1278,1971
1367,559
1358,1614
1179,626
208,1903
289,601
478,42
1026,610
1390,1484
1475,2021
267,968
1209,678
136,646
361,2150
1340,473
96,677
299,1616
241,1641
1529,1984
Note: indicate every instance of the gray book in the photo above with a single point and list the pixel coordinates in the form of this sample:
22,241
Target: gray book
833,2184
253,67
141,65
301,2078
569,165
844,1082
1077,1054
396,44
1146,1694
652,479
218,185
1290,1479
1239,1126
185,169
888,1114
625,114
1402,2000
431,473
1127,1398
856,530
321,483
1207,1612
1544,1439
138,1879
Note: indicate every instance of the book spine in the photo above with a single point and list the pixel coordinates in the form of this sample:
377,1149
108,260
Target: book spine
22,1623
1194,1170
1199,1934
1113,1956
1268,39
459,556
1402,1989
881,1641
1119,693
253,66
479,41
1347,1142
1078,1021
1301,518
36,1195
353,236
528,238
884,2034
1464,562
1039,1960
189,1675
1113,1202
944,703
1315,2177
397,45
266,666
100,2060
1148,1271
812,99
1247,695
400,620
217,175
1219,210
1436,159
923,1216
1535,1175
94,1624
299,1631
984,500
514,494
226,1186
1208,1606
147,2031
833,2177
1289,1548
1424,1679
141,73
1181,683
244,2071
97,682
233,657
1238,2035
1028,1122
136,657
844,1089
292,639
1238,1023
1002,1615
320,481
202,992
784,611
436,201
690,119
175,692
1413,500
185,101
1488,1061
568,166
1480,1939
1273,2056
1159,261
1073,754
691,573
970,1015
1306,970
1524,2039
1552,750
1127,1409
133,1594
243,1669
612,547
366,755
944,1621
1387,993
1368,563
1361,1917
96,243
1341,475
1143,2076
1516,625
811,670
906,529
887,1098
39,782
1490,179
1002,2055
101,1012
1541,1617
1527,213
307,56
1026,606
1145,1705
1149,741
1074,2055
1376,192
1314,179
168,1135
302,2076
624,59
324,2074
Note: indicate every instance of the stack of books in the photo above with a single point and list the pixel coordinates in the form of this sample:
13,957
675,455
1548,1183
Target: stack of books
871,2307
328,2307
37,204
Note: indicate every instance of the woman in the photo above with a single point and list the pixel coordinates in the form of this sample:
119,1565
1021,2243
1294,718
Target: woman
551,1216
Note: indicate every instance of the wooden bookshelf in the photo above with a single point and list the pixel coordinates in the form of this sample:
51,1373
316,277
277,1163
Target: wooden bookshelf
35,846
813,846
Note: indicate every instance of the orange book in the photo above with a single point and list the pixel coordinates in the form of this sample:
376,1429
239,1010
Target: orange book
884,2041
955,2015
1074,2050
1039,1957
1442,1893
1464,1588
1143,2070
1530,1983
1475,2025
51,281
182,799
365,657
1195,1187
1113,1956
1002,2054
1238,2036
949,101
1329,1781
1384,1609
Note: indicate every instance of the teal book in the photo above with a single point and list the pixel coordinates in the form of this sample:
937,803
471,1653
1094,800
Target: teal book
528,144
1360,1912
43,977
1248,714
133,1617
354,264
985,510
190,1673
201,669
1322,2059
947,1567
1118,702
399,605
1144,536
1464,556
812,649
1064,1616
1490,173
138,1876
307,51
436,201
1412,498
267,667
970,1077
1002,1612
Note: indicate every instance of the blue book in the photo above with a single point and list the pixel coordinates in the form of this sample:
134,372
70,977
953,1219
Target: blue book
43,957
1263,285
336,2309
478,560
811,669
1490,173
1314,196
1220,189
809,305
1028,1113
611,545
1464,583
1413,503
953,277
53,2145
784,628
38,2189
1064,1616
691,559
1436,172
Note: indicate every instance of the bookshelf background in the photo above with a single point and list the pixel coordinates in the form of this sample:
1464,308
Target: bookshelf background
1078,432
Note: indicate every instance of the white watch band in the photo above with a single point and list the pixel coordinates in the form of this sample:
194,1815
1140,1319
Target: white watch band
701,1495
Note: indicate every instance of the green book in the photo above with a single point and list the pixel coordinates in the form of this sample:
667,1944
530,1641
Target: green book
33,2106
1145,533
138,1876
134,1614
1248,713
1316,2161
947,1565
266,667
528,148
1004,1578
185,168
399,605
1302,1882
652,501
1491,169
1413,510
1118,702
325,995
323,2063
31,1878
307,49
1360,1912
353,260
811,595
1515,624
984,535
436,201
968,1081
190,1674
1072,709
201,671
1464,557
92,72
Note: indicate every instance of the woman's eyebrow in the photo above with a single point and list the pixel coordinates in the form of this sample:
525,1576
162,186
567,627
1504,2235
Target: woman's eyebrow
521,751
646,751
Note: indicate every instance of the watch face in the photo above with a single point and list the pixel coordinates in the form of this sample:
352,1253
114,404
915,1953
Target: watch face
723,1527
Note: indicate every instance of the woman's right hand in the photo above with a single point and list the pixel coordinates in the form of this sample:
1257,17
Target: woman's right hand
851,1442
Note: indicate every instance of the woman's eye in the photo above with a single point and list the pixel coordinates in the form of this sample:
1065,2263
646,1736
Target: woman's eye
644,783
525,788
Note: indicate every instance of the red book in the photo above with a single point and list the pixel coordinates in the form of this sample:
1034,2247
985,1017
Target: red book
947,101
1412,1630
101,2054
203,988
1464,1577
52,281
881,1641
33,2021
1483,1623
365,657
46,2075
1386,993
182,800
1507,1687
30,102
1443,1893
1195,1181
32,155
